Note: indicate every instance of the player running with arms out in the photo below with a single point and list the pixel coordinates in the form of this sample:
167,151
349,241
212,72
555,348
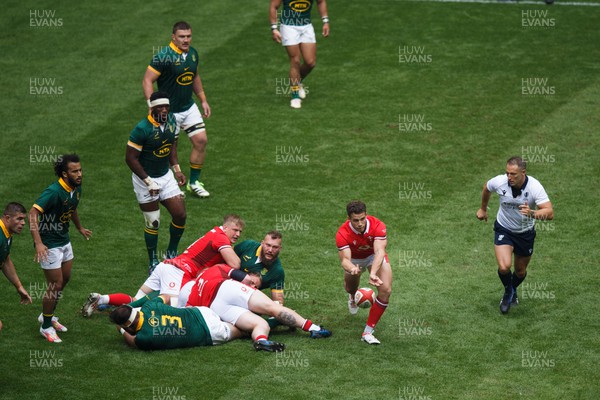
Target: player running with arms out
232,301
522,201
11,223
49,220
175,71
361,243
215,247
151,151
158,326
297,34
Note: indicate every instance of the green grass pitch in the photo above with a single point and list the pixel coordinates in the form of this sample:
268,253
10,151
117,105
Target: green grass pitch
411,108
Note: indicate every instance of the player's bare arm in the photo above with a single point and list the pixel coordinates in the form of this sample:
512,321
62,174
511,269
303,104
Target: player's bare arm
482,214
322,6
9,270
174,163
544,211
150,76
379,247
199,92
41,251
132,158
86,233
230,257
346,261
273,19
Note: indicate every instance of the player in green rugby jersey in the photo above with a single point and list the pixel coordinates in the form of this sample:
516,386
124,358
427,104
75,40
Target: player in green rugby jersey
158,326
175,70
49,220
151,151
297,34
263,258
12,222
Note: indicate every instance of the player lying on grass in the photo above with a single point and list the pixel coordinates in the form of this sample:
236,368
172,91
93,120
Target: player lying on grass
232,300
158,326
168,277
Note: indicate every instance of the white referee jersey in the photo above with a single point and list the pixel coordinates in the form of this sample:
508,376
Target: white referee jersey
508,214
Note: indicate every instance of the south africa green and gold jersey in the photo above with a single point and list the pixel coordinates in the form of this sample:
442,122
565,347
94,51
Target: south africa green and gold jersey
176,71
164,327
56,204
272,275
154,144
5,243
296,12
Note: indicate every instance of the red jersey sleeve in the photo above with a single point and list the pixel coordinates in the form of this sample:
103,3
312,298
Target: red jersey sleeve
341,239
378,230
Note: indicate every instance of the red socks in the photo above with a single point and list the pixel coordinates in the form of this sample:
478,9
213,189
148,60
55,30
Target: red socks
377,310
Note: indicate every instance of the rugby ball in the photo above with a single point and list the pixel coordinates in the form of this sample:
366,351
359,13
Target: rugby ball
364,297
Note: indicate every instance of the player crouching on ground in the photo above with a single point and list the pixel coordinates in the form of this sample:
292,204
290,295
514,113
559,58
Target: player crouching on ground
361,242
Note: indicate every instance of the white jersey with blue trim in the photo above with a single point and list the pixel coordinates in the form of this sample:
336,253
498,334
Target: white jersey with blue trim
509,216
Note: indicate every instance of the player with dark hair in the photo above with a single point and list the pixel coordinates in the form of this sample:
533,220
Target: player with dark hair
12,222
263,258
297,34
158,326
361,243
49,220
169,276
175,70
151,152
233,301
523,199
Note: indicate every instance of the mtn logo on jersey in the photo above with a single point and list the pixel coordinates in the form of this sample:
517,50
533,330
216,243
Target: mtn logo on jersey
186,78
300,5
163,151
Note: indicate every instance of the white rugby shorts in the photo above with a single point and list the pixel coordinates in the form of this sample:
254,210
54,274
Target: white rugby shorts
168,188
292,35
56,256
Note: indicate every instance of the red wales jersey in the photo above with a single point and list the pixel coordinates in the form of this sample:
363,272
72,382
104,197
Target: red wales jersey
207,285
203,253
360,244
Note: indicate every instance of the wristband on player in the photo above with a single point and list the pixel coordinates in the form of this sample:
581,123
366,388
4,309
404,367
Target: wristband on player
176,168
122,331
273,27
148,181
148,102
325,19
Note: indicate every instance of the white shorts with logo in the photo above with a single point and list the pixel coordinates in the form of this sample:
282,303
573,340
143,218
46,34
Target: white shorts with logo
165,278
188,118
292,35
232,300
220,332
168,188
56,256
365,263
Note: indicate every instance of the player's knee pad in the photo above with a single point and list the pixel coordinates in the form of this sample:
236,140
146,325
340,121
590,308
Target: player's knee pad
152,219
